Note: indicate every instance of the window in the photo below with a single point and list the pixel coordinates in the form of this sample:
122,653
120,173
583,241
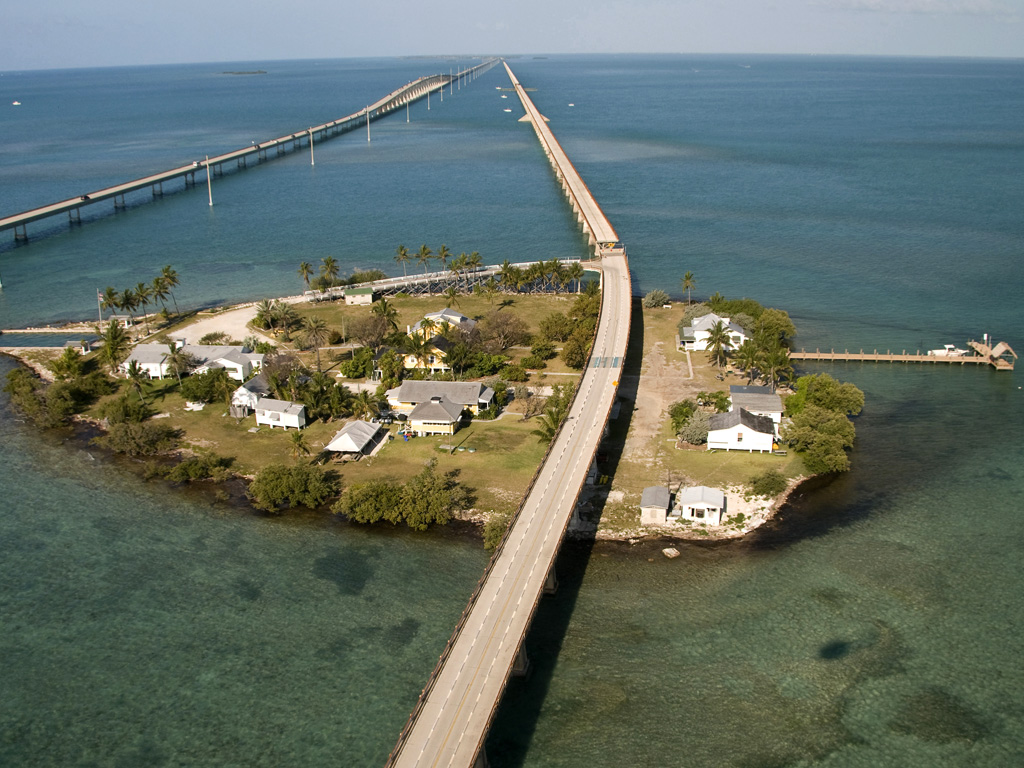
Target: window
698,513
739,437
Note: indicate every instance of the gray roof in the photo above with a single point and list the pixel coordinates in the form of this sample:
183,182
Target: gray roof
749,389
655,496
440,410
353,437
701,494
279,406
708,321
151,354
762,424
464,393
762,402
448,315
257,385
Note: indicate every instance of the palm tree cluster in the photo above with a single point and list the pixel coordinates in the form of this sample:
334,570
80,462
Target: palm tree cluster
142,295
276,316
765,356
540,276
323,397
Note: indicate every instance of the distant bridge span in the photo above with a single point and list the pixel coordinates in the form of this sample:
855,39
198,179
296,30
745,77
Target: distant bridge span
407,94
449,724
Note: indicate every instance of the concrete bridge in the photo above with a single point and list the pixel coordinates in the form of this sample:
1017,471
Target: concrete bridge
449,723
240,158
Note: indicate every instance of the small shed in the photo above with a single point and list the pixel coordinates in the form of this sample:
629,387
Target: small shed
654,503
355,439
365,295
280,413
701,504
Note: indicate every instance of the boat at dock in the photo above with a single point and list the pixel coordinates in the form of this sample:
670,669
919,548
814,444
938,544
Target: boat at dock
948,350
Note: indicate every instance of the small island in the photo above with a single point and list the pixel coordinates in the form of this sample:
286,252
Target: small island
423,408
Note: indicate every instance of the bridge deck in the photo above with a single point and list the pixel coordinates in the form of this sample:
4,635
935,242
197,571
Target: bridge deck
450,721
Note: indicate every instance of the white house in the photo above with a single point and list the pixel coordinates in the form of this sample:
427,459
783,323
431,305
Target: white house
247,395
760,401
700,504
436,416
238,361
445,317
365,295
654,503
695,335
355,439
280,413
471,396
741,430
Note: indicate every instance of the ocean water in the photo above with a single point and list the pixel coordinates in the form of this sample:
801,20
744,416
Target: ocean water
875,622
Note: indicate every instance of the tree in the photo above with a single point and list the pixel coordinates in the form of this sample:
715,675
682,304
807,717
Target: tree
210,387
826,392
773,328
137,376
110,299
364,404
387,311
402,256
371,502
679,412
502,329
689,282
423,256
170,278
297,444
432,499
115,345
143,293
747,358
316,333
278,486
306,272
285,317
329,270
443,254
769,483
159,291
655,298
718,343
490,290
556,327
68,366
419,346
695,429
775,366
178,361
574,273
139,438
574,351
451,297
129,302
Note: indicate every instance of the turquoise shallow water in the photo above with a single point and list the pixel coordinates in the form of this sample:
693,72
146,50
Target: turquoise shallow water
875,623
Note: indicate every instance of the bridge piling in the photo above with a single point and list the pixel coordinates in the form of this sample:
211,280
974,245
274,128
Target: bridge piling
521,664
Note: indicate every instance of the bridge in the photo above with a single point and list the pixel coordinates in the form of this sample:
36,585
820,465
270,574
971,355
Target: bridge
258,152
449,723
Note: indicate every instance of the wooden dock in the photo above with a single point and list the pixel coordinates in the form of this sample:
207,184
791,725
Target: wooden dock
1001,357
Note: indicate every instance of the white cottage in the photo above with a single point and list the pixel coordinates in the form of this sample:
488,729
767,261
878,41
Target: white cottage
760,401
355,439
237,360
247,395
280,413
700,504
695,335
741,430
654,503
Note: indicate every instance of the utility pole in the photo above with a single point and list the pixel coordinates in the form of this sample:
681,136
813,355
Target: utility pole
209,184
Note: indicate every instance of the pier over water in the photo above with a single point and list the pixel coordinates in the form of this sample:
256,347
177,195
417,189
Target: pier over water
240,158
449,723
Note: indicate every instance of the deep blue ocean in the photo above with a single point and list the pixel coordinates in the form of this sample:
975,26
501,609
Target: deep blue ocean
876,622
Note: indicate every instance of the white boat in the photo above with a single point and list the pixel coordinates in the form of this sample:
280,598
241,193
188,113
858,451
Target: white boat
948,350
15,103
508,110
571,104
504,96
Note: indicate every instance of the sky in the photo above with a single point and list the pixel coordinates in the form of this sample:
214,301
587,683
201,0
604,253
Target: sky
48,34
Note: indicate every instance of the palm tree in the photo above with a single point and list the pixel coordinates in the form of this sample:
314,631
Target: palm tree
160,291
747,357
451,296
443,254
178,361
402,256
115,345
297,442
285,316
329,270
575,272
110,299
775,366
458,264
316,332
428,327
129,303
419,347
264,317
689,283
306,271
363,404
383,309
423,256
144,293
490,290
136,375
718,343
170,278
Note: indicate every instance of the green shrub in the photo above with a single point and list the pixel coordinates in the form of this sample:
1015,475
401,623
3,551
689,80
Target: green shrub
278,486
494,529
125,409
516,372
544,350
206,466
656,298
695,429
679,412
139,439
769,483
533,362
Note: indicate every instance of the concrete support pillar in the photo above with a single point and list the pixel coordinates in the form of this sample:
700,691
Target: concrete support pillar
481,759
551,582
218,170
119,205
158,189
521,665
